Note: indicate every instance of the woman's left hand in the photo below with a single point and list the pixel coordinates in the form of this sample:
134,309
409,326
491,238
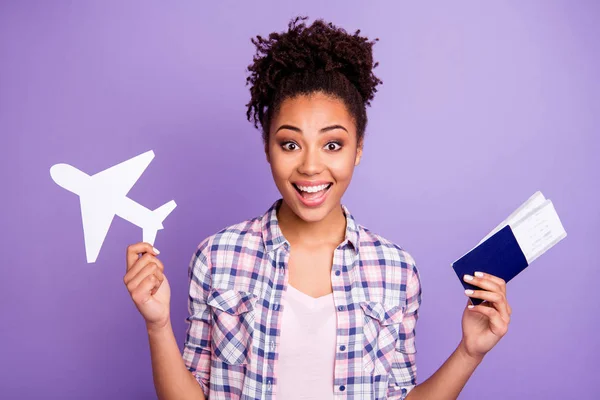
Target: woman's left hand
485,324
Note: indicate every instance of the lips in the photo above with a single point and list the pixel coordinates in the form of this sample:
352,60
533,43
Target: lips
312,194
311,188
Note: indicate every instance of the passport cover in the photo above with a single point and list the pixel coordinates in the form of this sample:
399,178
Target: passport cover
499,255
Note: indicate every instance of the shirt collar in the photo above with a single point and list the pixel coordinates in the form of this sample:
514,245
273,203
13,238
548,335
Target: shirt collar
273,237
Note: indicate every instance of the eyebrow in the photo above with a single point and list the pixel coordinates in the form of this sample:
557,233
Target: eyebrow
323,130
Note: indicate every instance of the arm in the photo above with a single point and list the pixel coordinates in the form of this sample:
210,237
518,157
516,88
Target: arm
483,326
149,288
448,381
185,378
172,379
403,378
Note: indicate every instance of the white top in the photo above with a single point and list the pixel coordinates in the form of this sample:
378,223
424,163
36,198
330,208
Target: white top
307,347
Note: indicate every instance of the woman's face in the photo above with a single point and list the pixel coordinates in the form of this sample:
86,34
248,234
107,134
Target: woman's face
312,151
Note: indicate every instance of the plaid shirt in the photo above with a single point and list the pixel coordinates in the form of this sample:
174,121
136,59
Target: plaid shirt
237,280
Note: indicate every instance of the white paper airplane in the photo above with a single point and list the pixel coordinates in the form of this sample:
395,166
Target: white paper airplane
104,195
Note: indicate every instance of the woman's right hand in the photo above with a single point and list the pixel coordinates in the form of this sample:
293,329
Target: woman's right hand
147,284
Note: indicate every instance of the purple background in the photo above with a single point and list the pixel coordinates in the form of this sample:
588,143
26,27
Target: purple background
481,106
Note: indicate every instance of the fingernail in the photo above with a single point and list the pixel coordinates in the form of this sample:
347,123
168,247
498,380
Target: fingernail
469,291
154,249
468,278
471,306
479,274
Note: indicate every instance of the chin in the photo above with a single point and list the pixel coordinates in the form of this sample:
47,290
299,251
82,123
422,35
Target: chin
311,215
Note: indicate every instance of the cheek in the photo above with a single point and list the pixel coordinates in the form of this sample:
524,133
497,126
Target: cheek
281,166
342,168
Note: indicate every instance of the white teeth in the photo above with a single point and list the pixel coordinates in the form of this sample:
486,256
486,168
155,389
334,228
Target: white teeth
312,189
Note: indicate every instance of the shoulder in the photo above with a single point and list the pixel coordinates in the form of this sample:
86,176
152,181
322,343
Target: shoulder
374,245
383,258
377,251
244,236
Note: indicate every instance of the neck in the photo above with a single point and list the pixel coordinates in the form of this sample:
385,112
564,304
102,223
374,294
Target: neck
331,229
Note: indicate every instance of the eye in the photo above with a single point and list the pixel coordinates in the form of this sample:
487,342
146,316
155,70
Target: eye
289,146
332,146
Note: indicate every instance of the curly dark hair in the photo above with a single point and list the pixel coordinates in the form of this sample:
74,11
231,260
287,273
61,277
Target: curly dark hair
304,60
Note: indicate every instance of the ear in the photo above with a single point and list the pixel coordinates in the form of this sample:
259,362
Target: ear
265,140
359,152
268,156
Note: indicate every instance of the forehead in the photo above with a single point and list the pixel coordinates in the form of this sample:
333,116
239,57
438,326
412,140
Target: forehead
317,108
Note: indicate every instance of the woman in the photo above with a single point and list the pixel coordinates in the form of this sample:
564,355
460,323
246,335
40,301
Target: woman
303,302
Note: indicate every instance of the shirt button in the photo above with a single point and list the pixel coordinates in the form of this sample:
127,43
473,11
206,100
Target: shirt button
342,348
337,273
275,307
342,388
272,345
341,308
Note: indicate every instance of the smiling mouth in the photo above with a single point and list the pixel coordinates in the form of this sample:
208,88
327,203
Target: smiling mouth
312,192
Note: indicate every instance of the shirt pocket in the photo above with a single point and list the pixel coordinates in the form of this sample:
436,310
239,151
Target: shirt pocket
233,314
380,335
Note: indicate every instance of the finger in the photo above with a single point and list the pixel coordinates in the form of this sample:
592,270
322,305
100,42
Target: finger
142,292
497,300
483,283
498,326
155,289
134,250
155,276
140,264
150,269
499,281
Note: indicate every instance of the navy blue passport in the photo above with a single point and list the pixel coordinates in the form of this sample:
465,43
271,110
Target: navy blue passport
499,255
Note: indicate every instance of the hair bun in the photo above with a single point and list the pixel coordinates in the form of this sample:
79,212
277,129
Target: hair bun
322,46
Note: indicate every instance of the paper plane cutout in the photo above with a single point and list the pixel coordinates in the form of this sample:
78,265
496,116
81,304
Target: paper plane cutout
104,195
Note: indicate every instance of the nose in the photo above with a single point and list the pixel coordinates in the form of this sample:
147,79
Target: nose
311,164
